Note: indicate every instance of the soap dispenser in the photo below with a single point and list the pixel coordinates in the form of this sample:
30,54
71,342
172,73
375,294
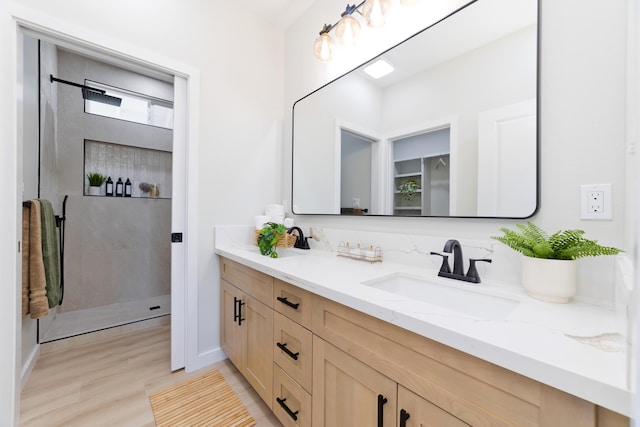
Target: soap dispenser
109,187
119,188
127,188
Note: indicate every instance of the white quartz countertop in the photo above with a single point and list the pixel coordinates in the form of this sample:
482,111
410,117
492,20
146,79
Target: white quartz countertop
574,347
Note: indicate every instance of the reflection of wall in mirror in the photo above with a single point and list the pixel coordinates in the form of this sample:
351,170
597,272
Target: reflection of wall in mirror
350,100
497,74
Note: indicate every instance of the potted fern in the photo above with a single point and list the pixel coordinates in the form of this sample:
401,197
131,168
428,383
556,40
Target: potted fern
549,269
95,182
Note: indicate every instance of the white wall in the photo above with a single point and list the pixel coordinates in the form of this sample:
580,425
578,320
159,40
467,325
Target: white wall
240,128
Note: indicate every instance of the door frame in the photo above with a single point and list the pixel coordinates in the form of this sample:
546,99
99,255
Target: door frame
184,347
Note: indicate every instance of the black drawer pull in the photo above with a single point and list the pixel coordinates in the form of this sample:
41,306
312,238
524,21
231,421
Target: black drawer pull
404,416
235,309
381,401
285,301
292,414
291,354
240,318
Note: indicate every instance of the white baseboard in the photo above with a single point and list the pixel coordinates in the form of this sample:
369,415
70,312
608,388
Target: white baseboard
28,366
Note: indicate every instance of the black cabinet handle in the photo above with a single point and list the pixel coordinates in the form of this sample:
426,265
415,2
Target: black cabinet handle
381,401
404,416
235,309
291,354
285,301
292,414
240,318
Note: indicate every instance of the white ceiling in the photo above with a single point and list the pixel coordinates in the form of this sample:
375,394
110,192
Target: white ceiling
280,12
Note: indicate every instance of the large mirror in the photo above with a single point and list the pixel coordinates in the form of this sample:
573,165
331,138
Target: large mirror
451,132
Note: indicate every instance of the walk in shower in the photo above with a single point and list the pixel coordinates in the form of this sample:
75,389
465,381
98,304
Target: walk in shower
116,258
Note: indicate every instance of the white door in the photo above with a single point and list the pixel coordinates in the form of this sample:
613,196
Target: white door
507,166
178,225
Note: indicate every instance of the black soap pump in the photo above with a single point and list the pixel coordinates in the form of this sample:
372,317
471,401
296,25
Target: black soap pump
119,188
127,188
109,187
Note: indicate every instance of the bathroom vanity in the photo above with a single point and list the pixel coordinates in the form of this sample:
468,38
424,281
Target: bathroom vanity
322,347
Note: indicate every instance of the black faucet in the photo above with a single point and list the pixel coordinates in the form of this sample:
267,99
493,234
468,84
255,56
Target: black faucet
454,246
301,241
458,262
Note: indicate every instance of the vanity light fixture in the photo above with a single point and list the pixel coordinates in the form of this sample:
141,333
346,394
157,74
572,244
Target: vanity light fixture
324,45
374,13
378,69
348,27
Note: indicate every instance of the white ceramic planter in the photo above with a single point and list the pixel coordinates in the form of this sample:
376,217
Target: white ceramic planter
94,191
550,280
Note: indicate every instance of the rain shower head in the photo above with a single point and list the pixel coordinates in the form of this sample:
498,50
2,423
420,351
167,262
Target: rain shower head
99,95
91,93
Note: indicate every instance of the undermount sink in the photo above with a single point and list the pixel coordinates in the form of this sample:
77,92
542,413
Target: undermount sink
467,302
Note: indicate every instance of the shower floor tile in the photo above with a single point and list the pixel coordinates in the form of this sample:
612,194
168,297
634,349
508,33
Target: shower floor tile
78,322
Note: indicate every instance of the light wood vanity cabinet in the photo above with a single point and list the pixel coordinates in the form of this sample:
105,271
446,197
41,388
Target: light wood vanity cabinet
447,385
346,361
346,392
246,322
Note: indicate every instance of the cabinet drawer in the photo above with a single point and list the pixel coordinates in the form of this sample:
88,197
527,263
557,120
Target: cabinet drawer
254,283
291,403
293,349
293,302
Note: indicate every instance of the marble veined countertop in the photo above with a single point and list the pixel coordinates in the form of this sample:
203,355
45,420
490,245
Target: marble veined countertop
574,347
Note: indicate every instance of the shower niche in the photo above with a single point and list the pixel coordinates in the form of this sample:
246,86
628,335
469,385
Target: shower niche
148,170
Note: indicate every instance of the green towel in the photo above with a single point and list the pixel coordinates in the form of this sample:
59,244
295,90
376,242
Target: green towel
50,252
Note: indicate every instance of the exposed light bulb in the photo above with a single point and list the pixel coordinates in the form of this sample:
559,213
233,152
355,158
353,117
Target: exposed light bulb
347,30
375,12
324,45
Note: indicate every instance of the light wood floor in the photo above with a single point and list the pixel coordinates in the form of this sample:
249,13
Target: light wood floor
107,383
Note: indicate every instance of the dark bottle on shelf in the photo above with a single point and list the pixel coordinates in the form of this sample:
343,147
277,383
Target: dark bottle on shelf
119,188
109,187
127,188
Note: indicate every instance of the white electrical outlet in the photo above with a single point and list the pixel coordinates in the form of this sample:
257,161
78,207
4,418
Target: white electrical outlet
596,201
356,202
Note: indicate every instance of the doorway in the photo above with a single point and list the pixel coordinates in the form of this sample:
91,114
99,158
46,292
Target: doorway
113,251
356,173
421,179
184,168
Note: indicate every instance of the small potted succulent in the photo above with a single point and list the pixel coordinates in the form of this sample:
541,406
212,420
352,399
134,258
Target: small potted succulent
549,270
95,182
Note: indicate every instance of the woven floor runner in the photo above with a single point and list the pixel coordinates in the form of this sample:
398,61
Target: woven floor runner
202,401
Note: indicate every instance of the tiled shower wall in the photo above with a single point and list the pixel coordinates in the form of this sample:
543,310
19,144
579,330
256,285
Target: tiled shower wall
117,249
140,165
